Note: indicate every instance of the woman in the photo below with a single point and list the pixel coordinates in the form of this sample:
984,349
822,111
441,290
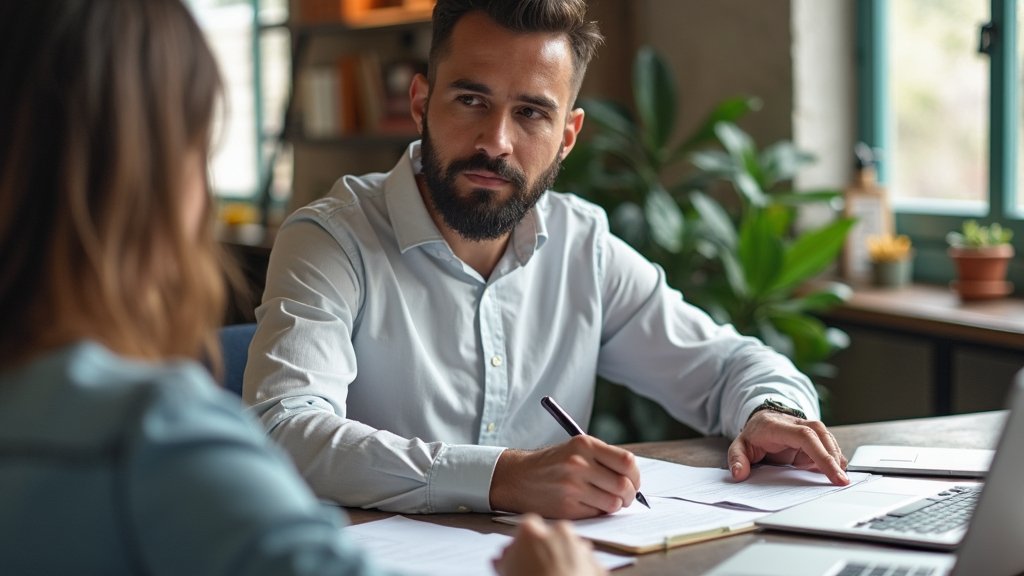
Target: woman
117,453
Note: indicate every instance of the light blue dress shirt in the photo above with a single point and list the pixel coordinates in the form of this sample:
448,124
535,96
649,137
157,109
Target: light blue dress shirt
395,375
110,466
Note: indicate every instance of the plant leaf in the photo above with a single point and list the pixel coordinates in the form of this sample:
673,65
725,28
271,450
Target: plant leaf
628,223
810,340
715,219
714,161
760,250
728,110
827,296
654,92
811,197
665,219
734,273
611,116
812,252
747,174
782,160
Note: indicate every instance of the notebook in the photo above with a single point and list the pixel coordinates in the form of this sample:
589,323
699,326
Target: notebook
921,461
996,523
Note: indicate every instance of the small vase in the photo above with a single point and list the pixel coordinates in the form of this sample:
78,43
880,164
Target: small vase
892,274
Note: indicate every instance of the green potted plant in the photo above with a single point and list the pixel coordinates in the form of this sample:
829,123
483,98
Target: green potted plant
982,255
717,213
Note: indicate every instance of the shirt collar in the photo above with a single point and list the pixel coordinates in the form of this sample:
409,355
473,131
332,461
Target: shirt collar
414,227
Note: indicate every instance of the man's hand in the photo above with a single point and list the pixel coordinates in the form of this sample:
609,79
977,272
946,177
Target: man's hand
581,478
783,439
541,550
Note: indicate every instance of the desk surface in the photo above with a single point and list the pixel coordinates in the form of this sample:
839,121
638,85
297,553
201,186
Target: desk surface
980,430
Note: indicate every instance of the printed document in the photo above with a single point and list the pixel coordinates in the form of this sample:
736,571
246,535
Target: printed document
416,547
769,488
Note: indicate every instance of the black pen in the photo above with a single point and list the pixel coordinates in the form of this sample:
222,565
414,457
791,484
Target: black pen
570,426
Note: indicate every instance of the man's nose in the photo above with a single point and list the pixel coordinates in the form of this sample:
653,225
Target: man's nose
495,135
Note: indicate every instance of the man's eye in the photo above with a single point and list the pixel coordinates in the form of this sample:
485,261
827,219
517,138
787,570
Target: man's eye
468,99
531,113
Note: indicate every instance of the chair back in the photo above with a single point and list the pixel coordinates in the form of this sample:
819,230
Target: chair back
234,342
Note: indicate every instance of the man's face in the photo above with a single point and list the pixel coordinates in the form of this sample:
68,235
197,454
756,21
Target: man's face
497,125
481,214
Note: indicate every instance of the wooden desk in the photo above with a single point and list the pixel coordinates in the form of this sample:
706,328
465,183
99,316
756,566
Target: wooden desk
980,430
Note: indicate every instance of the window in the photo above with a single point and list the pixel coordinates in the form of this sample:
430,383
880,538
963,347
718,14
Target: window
939,86
252,47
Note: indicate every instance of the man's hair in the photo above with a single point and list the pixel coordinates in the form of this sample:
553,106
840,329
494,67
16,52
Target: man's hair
102,103
558,16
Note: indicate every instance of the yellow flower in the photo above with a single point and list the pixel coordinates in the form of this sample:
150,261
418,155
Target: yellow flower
238,213
888,248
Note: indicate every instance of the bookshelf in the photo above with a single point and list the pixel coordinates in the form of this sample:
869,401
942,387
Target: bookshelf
347,111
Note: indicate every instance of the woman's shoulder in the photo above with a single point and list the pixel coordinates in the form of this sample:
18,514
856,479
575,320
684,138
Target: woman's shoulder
85,396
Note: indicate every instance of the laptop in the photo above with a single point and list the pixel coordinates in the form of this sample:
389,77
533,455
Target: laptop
990,545
921,461
897,509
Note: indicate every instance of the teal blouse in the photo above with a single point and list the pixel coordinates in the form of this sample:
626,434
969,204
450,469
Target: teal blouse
111,466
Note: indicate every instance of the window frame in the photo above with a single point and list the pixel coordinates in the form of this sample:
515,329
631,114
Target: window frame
928,228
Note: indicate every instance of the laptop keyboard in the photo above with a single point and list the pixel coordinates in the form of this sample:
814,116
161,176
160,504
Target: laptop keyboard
862,569
940,513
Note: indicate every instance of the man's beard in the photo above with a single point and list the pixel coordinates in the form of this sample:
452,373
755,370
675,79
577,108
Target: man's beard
481,215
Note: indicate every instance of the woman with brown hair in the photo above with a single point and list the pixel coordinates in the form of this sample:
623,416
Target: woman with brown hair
117,452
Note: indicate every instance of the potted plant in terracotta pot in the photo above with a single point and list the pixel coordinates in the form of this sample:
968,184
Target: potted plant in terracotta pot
981,255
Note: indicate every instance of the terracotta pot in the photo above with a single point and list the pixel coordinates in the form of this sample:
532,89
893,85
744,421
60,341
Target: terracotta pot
981,272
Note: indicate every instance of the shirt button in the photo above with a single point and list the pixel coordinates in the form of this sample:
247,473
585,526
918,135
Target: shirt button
491,427
463,509
496,360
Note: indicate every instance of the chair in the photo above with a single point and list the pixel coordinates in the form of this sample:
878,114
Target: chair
234,342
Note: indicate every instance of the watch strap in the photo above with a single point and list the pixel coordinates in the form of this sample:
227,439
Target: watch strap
776,406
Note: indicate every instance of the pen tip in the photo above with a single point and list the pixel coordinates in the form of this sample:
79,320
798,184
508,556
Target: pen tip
640,498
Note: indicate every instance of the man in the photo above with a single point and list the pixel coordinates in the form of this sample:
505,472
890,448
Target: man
413,320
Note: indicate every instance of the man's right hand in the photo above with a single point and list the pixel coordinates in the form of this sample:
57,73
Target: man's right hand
581,478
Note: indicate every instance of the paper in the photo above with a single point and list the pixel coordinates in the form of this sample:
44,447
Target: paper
415,547
667,523
769,488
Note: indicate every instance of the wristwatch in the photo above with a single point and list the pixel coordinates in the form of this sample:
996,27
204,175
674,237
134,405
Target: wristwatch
774,406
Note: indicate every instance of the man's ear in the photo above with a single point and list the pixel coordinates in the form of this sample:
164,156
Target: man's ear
419,93
573,125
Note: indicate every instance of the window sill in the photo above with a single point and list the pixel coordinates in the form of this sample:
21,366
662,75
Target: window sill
936,311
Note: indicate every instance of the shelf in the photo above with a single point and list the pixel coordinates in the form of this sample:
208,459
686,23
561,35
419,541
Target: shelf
355,140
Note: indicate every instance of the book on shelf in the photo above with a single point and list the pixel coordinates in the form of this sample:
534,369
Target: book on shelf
363,13
352,97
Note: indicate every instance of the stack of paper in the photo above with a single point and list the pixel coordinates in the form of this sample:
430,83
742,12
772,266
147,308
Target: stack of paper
690,505
415,547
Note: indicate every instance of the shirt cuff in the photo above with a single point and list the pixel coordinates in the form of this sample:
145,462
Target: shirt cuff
460,479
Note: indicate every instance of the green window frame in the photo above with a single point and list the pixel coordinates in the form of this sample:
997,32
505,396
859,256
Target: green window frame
928,228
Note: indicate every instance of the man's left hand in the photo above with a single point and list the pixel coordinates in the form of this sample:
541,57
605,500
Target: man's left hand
783,439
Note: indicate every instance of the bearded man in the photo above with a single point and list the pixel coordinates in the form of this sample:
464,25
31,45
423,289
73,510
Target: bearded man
413,320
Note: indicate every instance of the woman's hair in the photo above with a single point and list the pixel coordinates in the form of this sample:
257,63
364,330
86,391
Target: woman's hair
102,102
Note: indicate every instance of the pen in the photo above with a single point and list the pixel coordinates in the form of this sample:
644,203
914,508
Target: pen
570,426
